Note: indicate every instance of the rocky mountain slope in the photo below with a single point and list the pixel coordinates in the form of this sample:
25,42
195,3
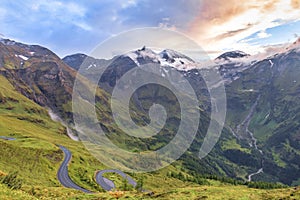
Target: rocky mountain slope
261,129
262,106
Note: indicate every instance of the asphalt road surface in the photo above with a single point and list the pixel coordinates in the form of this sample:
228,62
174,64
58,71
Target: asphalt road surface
7,138
63,175
107,184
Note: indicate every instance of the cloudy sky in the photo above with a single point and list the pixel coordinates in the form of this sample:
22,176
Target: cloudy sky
69,26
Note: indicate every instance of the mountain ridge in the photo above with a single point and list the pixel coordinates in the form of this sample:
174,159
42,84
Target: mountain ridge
242,96
45,80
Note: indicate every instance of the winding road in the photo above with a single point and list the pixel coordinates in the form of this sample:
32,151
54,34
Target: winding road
7,138
106,184
66,181
63,175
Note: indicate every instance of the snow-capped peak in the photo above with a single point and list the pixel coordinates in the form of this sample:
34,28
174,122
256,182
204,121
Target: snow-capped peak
232,55
171,55
147,53
166,58
7,41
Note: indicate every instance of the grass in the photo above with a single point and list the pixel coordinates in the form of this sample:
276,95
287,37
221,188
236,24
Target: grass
261,127
188,192
34,153
232,144
277,159
37,158
227,192
8,194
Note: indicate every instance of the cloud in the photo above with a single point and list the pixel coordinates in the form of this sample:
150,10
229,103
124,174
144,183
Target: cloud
295,4
263,34
231,33
68,26
65,12
179,13
223,25
128,3
63,26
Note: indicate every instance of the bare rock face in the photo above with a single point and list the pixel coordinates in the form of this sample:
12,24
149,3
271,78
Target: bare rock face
38,74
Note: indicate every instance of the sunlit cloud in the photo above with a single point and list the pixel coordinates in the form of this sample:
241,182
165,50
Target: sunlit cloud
69,26
223,25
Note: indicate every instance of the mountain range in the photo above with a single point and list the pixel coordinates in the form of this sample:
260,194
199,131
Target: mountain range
262,106
260,140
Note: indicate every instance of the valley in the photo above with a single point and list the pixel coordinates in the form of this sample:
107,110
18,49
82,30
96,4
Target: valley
243,128
260,141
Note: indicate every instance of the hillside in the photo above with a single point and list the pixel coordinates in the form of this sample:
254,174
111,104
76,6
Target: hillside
273,98
255,140
260,139
34,81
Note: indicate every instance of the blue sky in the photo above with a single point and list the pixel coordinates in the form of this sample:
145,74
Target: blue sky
285,33
71,26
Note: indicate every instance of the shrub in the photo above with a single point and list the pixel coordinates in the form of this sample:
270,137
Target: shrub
12,181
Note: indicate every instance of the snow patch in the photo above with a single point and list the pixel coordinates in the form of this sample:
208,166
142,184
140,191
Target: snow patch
90,66
23,57
249,90
267,116
271,62
240,61
133,56
7,42
166,58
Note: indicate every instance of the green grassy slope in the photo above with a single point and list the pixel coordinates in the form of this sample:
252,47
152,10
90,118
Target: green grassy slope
36,157
275,121
34,152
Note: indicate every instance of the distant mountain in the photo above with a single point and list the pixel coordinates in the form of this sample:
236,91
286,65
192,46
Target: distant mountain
263,104
168,58
232,54
230,64
260,140
45,79
75,60
260,122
